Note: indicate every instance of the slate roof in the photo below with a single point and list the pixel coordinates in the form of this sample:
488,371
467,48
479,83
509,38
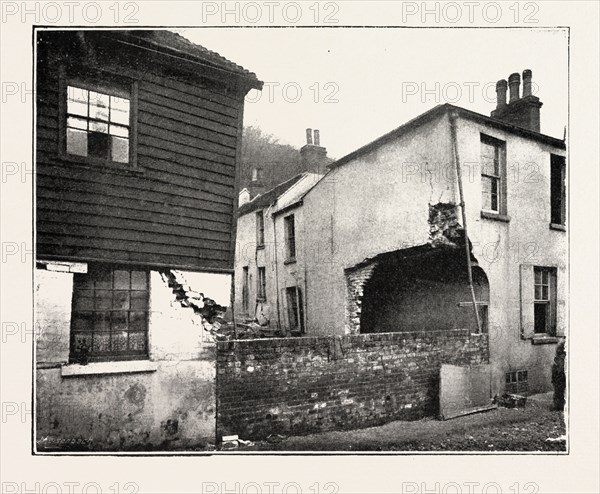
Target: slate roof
265,200
174,42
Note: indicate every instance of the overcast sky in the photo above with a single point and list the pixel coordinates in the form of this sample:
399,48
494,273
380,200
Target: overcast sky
357,84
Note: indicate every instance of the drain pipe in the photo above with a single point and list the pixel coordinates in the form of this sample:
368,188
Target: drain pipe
453,117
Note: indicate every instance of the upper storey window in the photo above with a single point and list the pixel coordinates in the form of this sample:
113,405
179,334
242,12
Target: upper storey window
98,124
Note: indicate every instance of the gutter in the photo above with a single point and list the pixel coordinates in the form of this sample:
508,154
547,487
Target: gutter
453,116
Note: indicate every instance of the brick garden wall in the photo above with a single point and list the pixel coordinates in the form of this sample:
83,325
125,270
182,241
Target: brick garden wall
300,385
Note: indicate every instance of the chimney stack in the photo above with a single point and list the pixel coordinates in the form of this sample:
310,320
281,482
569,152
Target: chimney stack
313,155
527,83
309,136
520,111
501,87
514,82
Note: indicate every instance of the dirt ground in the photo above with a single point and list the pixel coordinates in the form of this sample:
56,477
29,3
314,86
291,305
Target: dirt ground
502,429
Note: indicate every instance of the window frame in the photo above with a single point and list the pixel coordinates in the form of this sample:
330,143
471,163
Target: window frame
499,177
261,284
295,309
560,162
260,229
289,225
105,83
110,356
548,302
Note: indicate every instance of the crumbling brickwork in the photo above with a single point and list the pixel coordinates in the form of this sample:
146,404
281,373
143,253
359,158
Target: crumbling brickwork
356,280
302,385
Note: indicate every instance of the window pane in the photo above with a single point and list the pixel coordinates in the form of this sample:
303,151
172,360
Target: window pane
538,292
544,292
98,126
139,280
121,280
101,322
121,300
98,144
78,123
82,342
77,142
103,279
82,302
99,105
119,110
77,101
486,193
538,276
139,301
489,166
103,300
137,321
137,342
101,342
119,320
540,317
117,130
83,321
119,342
120,149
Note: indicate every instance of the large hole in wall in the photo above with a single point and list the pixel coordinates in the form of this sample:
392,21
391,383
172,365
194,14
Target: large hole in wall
421,293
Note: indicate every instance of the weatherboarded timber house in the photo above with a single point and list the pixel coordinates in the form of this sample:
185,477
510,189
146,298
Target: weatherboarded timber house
138,135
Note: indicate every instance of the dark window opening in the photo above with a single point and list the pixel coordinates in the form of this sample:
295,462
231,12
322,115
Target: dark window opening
557,190
295,309
110,314
290,237
260,229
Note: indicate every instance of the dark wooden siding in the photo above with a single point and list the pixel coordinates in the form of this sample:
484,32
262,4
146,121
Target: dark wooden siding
177,211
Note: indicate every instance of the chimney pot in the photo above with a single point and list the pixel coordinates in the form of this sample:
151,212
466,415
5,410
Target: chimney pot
317,137
514,81
527,75
309,139
501,87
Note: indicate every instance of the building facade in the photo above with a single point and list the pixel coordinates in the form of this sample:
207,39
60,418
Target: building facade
382,242
138,136
387,236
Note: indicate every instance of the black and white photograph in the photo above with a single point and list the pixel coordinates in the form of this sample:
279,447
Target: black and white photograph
298,232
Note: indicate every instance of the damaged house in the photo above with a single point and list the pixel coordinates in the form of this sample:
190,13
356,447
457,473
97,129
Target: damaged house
137,143
269,263
389,235
439,249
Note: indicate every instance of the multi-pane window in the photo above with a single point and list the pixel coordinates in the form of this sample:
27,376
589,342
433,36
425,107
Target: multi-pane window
557,190
260,229
492,165
295,309
544,300
517,382
98,124
261,287
110,314
290,237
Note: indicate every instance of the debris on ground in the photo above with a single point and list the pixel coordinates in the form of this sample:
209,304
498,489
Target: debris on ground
234,442
509,400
